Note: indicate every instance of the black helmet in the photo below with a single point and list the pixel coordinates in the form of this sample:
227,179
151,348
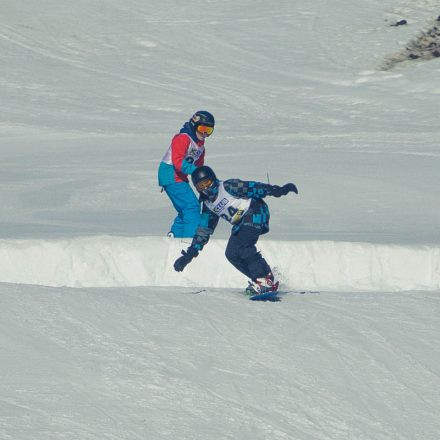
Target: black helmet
201,117
203,178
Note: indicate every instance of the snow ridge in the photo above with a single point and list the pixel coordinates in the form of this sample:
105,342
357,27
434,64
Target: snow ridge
112,261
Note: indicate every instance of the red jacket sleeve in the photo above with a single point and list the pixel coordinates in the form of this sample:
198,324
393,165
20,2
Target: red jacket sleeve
179,148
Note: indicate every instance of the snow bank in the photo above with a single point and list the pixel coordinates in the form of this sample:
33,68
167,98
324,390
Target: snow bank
109,261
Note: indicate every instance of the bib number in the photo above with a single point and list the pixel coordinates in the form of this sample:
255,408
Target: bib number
233,216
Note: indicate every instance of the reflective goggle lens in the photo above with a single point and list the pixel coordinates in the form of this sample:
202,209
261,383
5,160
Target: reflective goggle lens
204,184
205,129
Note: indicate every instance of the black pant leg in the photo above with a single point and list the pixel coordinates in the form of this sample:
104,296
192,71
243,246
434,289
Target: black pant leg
242,253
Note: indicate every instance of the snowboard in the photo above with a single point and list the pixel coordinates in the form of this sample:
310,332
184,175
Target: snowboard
268,296
276,296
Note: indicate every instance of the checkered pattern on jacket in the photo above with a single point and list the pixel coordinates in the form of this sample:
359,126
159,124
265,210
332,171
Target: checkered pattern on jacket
257,216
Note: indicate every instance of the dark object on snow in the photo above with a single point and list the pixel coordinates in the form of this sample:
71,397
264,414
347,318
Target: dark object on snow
425,46
400,23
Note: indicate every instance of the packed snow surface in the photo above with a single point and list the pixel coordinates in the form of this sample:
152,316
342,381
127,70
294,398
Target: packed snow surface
100,339
161,363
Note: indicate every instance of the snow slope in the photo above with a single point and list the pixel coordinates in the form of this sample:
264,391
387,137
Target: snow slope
90,94
161,364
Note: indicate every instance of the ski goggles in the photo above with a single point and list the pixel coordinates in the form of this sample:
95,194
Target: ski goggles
205,129
204,184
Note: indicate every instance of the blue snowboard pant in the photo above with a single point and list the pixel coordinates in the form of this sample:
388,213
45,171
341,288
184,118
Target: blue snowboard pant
242,253
188,209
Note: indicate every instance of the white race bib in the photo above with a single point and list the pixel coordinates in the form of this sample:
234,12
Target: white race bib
226,206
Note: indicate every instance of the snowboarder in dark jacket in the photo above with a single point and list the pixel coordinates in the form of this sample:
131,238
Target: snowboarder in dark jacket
241,204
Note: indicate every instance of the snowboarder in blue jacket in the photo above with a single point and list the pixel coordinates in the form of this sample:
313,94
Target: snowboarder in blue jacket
241,204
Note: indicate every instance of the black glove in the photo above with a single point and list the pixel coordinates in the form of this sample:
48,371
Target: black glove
185,259
278,191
